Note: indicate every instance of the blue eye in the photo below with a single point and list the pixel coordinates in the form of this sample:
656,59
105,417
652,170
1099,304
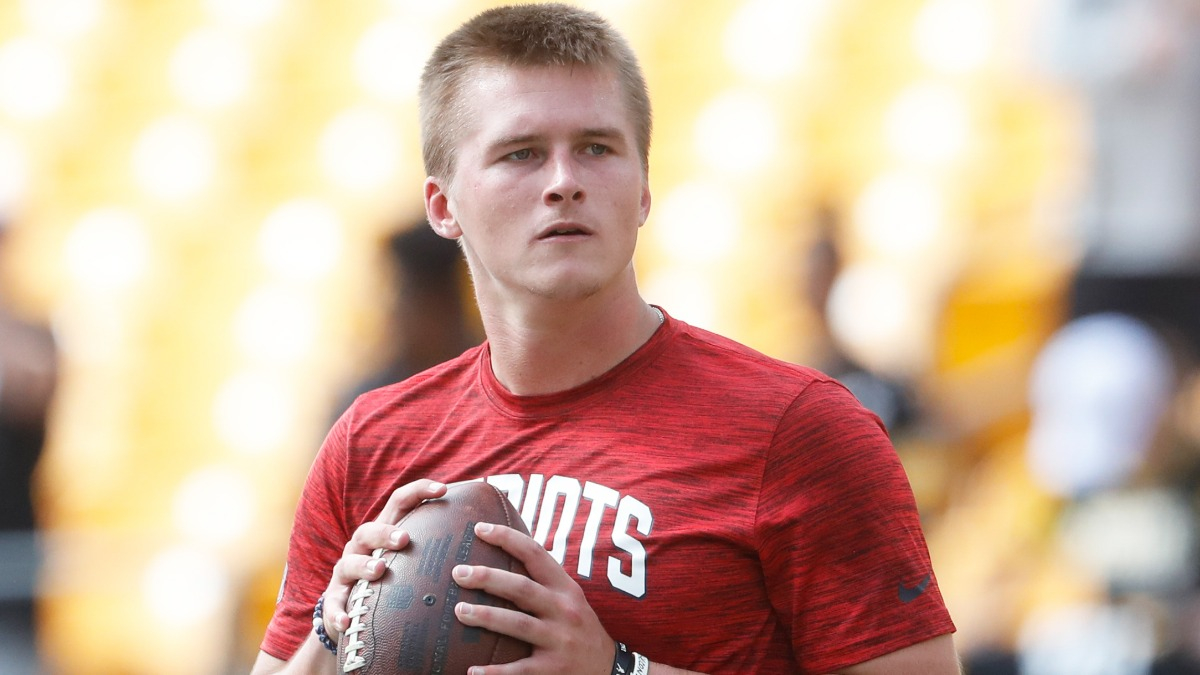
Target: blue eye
522,154
597,149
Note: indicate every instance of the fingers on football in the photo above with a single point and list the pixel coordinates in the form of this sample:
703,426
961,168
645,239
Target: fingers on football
540,565
354,566
407,497
346,573
517,589
375,535
509,622
334,609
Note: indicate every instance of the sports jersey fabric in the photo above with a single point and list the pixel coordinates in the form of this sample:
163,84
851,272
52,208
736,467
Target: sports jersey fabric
723,511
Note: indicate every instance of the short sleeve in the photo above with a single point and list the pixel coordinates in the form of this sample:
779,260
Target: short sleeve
841,545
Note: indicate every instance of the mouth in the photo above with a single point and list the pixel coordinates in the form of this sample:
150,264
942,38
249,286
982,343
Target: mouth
564,230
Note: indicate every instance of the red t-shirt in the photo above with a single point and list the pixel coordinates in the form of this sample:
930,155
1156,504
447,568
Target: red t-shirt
723,511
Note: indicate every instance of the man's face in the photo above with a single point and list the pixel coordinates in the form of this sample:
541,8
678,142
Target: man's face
548,191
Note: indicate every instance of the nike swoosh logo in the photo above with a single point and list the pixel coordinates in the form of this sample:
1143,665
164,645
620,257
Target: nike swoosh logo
908,594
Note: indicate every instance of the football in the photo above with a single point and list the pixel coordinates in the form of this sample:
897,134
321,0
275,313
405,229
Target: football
404,622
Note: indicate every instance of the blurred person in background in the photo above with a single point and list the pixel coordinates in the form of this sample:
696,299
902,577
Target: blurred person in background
28,374
431,318
1135,67
894,401
1099,441
1102,390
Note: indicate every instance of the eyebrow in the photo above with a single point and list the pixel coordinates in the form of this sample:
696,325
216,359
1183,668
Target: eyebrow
590,132
603,132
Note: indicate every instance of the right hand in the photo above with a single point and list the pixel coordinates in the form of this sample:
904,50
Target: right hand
357,561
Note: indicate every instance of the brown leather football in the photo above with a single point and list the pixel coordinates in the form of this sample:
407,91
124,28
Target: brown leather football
404,623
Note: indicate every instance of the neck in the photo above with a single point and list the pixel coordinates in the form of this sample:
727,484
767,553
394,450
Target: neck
557,346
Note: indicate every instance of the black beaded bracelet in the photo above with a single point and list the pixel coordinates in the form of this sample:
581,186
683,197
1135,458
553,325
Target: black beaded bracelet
319,626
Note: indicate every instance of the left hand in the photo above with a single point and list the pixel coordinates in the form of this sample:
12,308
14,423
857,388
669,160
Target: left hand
566,634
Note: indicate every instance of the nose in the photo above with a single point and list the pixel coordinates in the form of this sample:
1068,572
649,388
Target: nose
564,182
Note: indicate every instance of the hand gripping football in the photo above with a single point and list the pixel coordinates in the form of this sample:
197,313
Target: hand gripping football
404,623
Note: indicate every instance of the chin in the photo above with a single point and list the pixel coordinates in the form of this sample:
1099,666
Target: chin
566,289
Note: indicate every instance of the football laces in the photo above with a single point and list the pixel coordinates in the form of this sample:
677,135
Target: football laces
354,644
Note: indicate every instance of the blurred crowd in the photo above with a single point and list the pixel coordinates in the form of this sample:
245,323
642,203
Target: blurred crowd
1113,392
1106,583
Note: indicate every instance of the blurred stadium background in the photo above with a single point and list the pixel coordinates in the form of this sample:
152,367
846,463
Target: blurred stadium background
196,193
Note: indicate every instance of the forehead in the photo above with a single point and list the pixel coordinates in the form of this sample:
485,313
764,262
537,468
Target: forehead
507,100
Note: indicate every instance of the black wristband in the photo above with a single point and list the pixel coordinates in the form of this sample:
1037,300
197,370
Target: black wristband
319,626
623,660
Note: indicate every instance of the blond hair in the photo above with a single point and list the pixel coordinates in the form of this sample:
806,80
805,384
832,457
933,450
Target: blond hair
524,36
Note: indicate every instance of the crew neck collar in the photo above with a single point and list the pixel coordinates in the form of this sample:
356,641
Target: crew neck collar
558,403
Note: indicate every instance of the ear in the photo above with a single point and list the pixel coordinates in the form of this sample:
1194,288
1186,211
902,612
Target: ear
439,210
645,203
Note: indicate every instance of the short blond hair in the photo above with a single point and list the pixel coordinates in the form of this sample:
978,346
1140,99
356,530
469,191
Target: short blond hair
523,35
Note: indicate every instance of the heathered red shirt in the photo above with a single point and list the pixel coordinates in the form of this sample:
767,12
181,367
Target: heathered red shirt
723,511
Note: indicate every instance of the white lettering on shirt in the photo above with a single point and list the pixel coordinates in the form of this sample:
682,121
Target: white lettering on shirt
625,573
633,583
569,490
602,498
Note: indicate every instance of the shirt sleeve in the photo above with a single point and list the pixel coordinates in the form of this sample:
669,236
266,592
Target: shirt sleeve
840,539
318,536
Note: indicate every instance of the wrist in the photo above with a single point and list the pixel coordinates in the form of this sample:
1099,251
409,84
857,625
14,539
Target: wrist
319,626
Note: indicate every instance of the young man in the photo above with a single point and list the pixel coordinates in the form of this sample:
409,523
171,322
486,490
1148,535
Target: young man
718,510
